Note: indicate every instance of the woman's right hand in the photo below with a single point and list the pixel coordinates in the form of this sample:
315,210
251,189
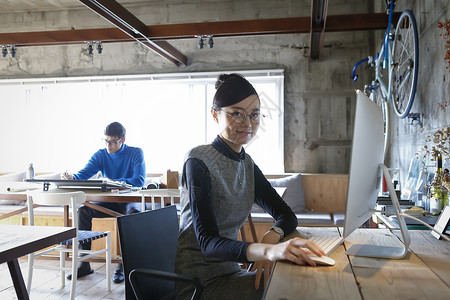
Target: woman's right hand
295,250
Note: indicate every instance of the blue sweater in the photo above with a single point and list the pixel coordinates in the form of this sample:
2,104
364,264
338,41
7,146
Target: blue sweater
127,165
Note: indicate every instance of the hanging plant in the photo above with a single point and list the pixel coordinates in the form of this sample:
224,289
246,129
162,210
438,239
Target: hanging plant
445,34
436,142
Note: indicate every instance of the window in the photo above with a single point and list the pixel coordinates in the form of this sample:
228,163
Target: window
57,124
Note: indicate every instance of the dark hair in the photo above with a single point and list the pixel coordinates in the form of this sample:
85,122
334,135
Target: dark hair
115,129
230,89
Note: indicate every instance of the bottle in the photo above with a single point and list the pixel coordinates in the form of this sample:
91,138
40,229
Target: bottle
30,172
438,192
446,184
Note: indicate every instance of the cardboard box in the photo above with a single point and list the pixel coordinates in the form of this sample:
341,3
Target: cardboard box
169,180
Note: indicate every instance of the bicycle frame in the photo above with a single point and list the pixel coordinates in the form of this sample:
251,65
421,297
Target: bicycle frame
379,61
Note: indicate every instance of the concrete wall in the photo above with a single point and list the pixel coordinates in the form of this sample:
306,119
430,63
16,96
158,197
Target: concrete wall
433,86
319,96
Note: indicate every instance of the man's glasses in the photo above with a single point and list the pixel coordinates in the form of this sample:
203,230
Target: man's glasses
112,142
240,117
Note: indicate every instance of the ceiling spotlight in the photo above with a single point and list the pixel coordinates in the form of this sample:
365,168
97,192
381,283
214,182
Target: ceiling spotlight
201,43
99,48
210,42
90,49
13,51
4,51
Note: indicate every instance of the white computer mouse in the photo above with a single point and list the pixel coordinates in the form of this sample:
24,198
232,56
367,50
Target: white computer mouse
322,260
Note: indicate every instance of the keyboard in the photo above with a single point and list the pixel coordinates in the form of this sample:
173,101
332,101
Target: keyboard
328,243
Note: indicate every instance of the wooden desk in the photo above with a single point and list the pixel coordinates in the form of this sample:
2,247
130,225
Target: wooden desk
17,241
91,196
423,274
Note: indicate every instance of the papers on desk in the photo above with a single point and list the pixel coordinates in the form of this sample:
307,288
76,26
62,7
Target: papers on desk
102,184
18,186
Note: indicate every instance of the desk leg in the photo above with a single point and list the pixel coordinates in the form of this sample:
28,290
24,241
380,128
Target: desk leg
19,284
66,216
143,203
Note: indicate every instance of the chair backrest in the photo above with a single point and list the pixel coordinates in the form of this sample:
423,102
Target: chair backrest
149,240
56,198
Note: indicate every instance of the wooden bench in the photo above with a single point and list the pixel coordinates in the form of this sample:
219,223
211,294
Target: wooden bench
325,199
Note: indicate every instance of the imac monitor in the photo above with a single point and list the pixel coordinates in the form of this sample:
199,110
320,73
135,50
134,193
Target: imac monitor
366,168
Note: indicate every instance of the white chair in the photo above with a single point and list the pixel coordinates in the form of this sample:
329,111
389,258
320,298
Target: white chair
73,200
159,193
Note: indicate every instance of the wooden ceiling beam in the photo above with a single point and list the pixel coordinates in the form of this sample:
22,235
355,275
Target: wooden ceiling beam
120,17
297,25
318,24
360,22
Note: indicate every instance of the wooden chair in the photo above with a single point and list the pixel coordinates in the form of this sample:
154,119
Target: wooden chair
72,200
148,243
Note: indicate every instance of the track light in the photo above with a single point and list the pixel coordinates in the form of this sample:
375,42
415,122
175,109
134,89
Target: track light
90,49
13,51
98,45
201,42
99,48
210,42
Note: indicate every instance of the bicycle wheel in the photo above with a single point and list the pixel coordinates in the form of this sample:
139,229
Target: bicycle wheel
405,63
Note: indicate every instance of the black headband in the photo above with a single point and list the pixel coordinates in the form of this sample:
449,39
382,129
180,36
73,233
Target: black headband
231,89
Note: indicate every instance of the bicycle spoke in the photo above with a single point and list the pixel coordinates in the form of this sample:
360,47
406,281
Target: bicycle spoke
401,99
405,81
406,50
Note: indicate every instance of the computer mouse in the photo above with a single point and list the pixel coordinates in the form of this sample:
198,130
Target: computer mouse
322,260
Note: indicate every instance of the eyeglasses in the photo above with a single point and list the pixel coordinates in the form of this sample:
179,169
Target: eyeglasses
112,142
240,117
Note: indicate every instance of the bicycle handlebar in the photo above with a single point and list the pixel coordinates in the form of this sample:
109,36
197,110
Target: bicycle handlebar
354,76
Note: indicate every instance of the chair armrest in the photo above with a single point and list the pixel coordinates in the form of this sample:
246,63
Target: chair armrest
198,284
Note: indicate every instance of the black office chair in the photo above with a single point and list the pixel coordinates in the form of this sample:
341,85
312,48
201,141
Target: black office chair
148,242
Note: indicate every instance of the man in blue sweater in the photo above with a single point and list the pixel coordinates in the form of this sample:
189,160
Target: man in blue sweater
117,162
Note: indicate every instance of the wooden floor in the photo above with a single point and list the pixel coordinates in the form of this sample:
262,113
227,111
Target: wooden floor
46,283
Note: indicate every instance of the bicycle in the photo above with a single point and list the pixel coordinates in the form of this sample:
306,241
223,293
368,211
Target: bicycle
401,61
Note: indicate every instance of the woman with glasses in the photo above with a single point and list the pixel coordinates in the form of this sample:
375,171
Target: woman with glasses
220,183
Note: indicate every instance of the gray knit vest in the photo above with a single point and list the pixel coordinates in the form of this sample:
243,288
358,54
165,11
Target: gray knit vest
232,196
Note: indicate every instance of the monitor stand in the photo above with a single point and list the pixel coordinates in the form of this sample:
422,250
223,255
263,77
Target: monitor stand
386,251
